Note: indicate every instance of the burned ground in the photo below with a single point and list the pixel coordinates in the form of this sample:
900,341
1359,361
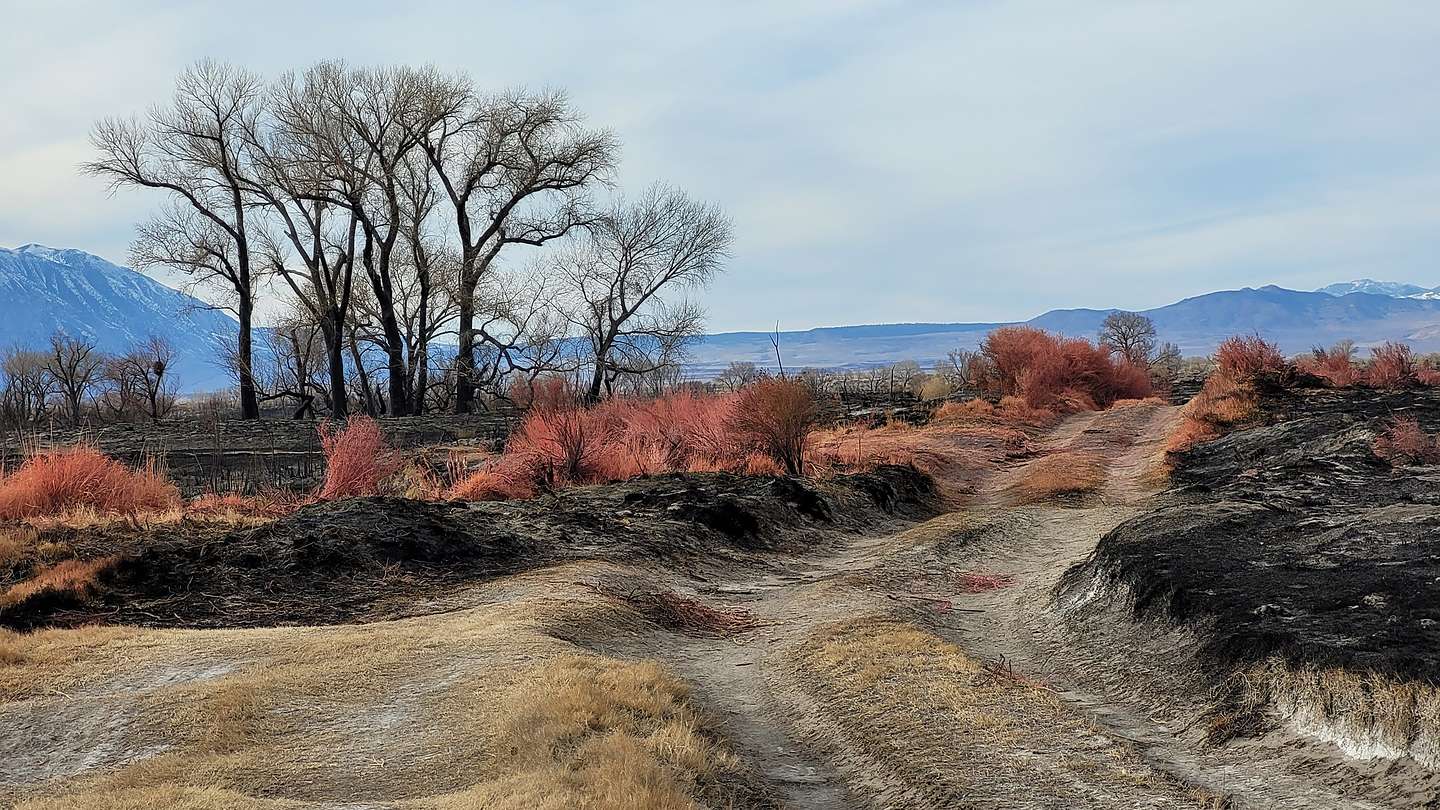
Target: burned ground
369,558
1292,539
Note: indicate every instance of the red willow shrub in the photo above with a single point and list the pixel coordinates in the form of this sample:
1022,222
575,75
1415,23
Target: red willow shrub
1336,366
1405,443
1249,358
51,482
1230,395
357,459
761,430
1057,373
774,417
1392,365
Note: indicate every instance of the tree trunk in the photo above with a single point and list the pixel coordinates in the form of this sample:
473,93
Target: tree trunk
249,402
335,355
371,407
465,353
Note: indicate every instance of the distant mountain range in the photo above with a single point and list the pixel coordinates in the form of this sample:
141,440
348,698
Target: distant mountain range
1295,320
43,289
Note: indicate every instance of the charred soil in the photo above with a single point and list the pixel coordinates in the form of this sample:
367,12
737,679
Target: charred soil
365,559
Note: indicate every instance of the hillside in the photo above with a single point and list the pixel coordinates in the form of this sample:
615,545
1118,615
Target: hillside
1295,320
44,289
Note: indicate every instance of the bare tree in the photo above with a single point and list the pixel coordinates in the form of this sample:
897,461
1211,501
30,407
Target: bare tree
514,168
195,150
74,366
25,387
621,276
315,252
739,374
1130,335
357,127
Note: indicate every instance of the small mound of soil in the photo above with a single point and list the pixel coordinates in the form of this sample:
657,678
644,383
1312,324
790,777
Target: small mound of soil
339,561
1293,539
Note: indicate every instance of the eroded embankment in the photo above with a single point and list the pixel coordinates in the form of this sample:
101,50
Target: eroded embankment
1302,572
368,558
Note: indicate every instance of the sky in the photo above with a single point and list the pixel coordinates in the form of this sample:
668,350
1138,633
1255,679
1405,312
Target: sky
882,160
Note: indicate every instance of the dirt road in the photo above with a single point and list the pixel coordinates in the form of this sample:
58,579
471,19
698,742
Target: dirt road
926,666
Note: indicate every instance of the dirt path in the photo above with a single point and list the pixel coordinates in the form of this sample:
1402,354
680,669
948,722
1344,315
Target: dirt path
964,740
923,666
1061,741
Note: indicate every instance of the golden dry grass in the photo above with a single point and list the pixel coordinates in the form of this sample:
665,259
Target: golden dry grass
1224,402
75,578
1065,473
475,708
1403,716
902,705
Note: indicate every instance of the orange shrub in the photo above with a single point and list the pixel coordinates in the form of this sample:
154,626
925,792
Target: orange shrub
357,459
55,481
1392,365
1405,443
1223,402
1335,366
1249,358
503,480
774,417
1056,373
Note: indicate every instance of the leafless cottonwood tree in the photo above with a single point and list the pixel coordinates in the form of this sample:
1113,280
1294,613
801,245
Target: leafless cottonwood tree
739,374
622,275
139,382
1130,335
195,150
355,128
25,387
74,365
514,168
314,254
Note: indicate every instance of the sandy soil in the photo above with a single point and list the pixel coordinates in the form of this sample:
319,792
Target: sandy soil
920,665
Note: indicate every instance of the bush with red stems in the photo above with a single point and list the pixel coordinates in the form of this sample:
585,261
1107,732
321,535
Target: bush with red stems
51,482
357,459
1057,373
1392,365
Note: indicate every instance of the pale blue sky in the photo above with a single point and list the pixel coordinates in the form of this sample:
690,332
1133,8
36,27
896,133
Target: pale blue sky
883,161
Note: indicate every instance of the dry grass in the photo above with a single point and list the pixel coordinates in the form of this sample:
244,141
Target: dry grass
1365,712
586,731
477,708
927,725
1065,473
1224,402
70,579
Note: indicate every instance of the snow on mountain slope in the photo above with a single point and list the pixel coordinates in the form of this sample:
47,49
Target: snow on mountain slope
43,289
1394,289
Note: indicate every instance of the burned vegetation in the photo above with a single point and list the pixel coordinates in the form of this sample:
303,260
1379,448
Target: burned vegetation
363,559
1300,551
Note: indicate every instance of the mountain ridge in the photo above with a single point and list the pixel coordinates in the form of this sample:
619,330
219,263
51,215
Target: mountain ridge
43,288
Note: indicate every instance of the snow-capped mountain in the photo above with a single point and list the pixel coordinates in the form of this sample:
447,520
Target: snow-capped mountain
43,289
1394,289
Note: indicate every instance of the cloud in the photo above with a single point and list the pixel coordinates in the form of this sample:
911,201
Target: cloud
884,160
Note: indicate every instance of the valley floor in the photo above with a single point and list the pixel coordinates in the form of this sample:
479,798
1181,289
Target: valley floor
923,665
